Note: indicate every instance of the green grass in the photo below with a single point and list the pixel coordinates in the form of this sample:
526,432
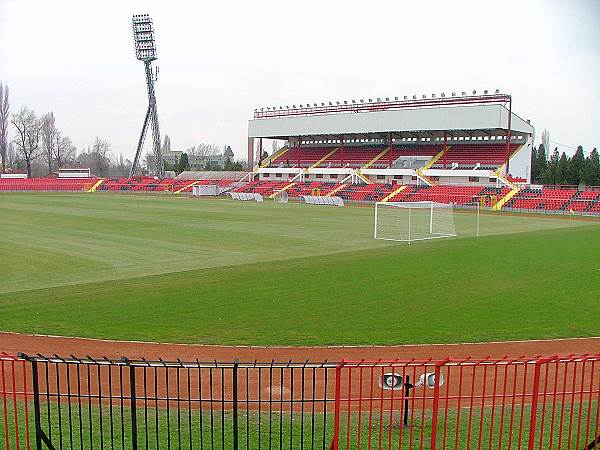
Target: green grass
83,424
217,271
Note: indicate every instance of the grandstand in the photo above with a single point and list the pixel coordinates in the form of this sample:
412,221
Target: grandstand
464,149
463,140
467,150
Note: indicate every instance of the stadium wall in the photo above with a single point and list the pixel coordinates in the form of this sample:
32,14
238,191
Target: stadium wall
520,163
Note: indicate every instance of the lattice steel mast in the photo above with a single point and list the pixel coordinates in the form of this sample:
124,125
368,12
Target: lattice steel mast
145,50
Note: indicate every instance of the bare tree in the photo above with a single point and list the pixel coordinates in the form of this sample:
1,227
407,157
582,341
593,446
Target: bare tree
149,162
101,154
4,108
546,141
204,150
64,150
166,147
12,156
27,137
121,166
49,138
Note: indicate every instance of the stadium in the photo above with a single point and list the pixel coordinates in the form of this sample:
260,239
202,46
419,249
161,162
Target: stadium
390,277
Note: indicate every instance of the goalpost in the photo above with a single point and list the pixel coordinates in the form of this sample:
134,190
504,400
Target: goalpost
280,197
413,221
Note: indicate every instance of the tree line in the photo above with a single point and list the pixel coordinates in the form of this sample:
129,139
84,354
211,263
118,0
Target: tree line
38,147
183,164
559,168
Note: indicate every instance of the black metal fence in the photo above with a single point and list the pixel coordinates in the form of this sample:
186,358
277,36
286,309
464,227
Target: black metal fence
503,403
121,404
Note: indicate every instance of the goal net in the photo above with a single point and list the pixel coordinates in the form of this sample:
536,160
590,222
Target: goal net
280,197
413,221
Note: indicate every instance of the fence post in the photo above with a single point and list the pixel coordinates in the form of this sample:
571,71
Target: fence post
436,398
534,401
236,363
36,402
133,399
335,442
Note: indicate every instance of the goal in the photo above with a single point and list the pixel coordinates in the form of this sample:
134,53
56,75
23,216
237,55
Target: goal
413,221
280,197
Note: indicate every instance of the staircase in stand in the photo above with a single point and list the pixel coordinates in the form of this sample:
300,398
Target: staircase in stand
324,158
377,158
514,191
393,193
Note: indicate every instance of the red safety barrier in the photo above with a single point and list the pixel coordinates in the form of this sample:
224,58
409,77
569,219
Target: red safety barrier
506,403
15,402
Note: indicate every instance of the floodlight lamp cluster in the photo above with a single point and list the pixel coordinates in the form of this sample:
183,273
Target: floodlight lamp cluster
143,37
377,100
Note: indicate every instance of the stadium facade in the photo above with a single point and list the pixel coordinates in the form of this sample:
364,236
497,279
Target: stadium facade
455,140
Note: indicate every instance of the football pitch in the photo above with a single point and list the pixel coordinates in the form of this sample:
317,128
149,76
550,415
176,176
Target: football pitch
177,269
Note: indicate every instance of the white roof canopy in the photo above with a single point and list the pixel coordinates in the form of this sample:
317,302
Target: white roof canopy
459,118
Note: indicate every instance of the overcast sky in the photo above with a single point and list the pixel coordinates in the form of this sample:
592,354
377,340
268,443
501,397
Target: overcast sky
219,60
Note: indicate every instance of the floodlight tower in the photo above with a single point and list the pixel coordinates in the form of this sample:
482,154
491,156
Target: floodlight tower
145,50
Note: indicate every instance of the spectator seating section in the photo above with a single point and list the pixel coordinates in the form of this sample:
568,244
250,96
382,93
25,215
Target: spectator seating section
550,198
489,156
352,156
119,184
556,199
264,188
301,157
308,187
46,184
369,193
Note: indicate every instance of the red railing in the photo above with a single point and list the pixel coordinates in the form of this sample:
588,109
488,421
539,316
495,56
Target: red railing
533,403
15,399
474,403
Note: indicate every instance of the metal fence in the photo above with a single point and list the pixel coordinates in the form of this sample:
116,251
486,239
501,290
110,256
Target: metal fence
106,403
508,403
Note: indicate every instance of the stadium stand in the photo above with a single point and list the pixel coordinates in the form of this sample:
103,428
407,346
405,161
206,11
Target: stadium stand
264,188
310,187
302,157
559,199
46,184
550,198
466,156
369,193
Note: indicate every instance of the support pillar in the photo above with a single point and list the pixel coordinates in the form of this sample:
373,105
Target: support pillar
342,149
445,145
389,150
508,136
250,154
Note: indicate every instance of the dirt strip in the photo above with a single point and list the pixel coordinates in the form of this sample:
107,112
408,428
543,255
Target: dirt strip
49,345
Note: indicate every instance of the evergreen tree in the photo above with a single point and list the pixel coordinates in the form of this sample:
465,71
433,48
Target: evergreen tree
575,167
534,164
562,170
591,169
549,175
539,164
183,164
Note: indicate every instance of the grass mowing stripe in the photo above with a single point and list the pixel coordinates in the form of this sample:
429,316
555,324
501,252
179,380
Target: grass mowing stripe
514,286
